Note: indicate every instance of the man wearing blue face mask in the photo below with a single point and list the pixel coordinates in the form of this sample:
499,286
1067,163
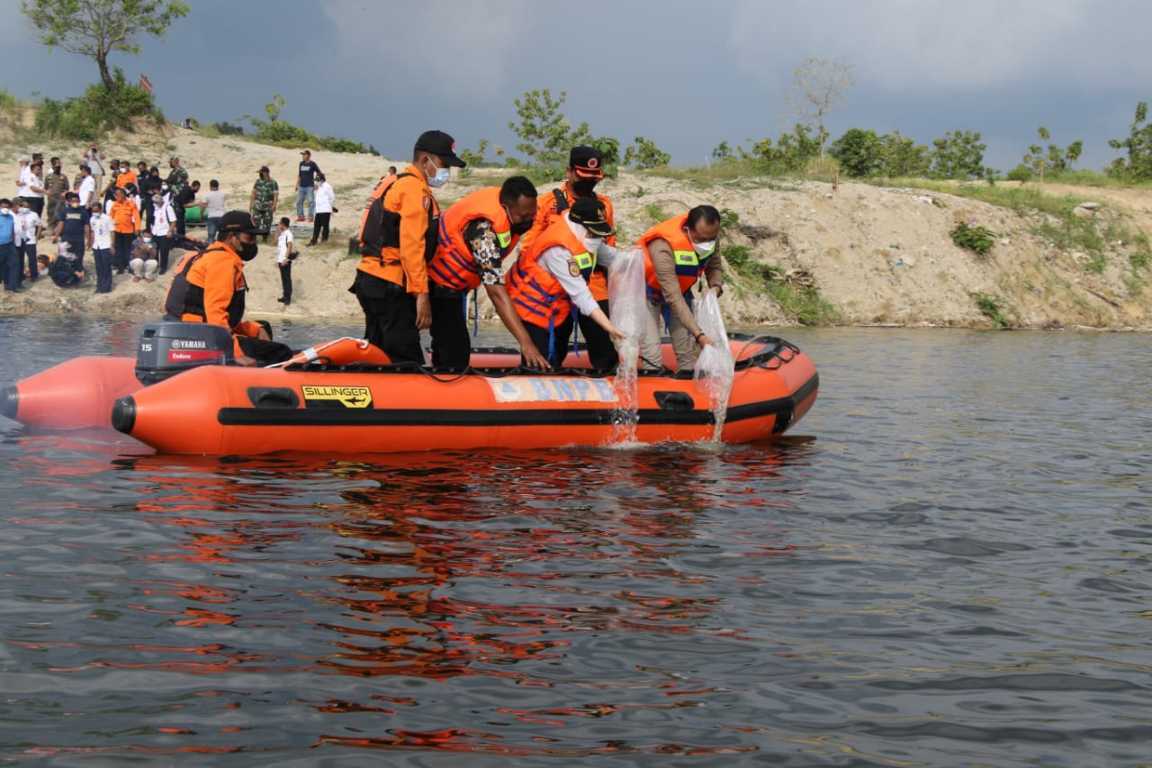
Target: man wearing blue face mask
677,252
399,235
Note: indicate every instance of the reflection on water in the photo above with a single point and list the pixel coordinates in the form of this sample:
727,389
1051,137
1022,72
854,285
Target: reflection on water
948,566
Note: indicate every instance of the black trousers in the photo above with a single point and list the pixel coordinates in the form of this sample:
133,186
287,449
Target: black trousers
181,228
389,318
37,204
123,249
163,250
451,345
286,282
320,227
560,336
601,350
264,352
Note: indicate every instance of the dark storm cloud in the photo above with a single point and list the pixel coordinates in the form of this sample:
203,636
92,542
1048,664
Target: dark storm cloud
684,73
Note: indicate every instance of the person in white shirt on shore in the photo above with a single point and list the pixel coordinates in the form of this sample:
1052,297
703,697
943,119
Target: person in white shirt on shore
325,207
86,186
284,256
25,235
31,187
163,226
101,225
214,207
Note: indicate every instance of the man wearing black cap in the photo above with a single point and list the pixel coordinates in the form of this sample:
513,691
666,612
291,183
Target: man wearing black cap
550,279
585,170
399,236
210,287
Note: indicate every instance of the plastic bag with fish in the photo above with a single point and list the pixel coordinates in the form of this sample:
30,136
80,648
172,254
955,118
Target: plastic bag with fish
715,367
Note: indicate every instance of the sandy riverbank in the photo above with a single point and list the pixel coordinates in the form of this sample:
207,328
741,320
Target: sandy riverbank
876,255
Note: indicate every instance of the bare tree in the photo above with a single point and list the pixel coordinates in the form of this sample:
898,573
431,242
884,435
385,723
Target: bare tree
818,86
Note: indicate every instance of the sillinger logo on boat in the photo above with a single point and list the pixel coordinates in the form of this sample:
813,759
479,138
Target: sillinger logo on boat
324,396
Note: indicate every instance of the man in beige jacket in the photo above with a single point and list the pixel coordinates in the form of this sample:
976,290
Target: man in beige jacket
677,252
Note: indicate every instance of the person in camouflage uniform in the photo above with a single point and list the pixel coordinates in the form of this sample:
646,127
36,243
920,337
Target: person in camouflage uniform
177,180
56,185
265,198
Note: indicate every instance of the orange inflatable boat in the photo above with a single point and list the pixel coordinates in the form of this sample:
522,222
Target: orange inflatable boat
345,398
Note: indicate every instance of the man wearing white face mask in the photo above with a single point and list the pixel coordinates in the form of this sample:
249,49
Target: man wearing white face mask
551,277
399,235
677,252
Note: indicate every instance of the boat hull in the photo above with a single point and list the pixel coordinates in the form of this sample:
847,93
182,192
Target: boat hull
228,410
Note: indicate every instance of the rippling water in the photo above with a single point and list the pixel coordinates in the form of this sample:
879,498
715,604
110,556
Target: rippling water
948,563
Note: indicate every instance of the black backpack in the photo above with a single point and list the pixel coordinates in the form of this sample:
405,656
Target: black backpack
178,291
381,227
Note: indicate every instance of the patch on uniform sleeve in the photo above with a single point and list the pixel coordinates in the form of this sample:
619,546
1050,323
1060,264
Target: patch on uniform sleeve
573,268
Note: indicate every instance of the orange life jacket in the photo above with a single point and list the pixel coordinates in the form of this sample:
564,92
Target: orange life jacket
454,266
689,265
549,209
539,298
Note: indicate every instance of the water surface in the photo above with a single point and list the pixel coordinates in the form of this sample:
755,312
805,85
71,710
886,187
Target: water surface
947,562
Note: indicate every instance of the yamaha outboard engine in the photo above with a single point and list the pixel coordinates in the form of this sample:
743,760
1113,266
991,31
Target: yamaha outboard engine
166,349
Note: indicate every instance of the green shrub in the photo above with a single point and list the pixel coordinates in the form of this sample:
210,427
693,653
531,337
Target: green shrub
1137,147
859,152
977,239
228,129
645,154
729,219
989,306
655,213
958,155
98,111
805,305
8,102
737,256
1020,173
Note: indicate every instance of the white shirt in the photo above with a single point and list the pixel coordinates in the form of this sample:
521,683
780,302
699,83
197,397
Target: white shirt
325,198
25,227
283,246
163,217
92,160
87,190
101,224
556,259
214,200
27,181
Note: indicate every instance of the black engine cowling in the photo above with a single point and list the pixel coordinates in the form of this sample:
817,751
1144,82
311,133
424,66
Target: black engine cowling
166,349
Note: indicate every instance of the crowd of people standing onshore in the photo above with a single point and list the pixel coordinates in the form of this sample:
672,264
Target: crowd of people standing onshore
130,217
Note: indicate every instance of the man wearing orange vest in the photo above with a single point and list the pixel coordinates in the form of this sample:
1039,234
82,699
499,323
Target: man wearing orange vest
677,252
392,277
209,287
585,170
550,278
476,234
125,225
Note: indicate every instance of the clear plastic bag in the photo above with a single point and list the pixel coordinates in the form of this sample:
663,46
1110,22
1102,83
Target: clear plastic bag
715,367
627,301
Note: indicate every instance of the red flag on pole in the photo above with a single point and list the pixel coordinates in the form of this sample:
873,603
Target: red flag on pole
145,83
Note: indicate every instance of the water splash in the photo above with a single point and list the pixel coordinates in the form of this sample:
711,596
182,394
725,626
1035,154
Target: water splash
715,367
627,299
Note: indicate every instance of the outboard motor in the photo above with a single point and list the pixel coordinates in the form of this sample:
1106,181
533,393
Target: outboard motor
166,349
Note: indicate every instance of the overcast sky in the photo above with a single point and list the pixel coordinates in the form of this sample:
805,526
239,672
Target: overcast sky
687,74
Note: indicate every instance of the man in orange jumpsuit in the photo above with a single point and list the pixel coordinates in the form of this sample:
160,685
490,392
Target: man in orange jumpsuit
398,238
210,287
